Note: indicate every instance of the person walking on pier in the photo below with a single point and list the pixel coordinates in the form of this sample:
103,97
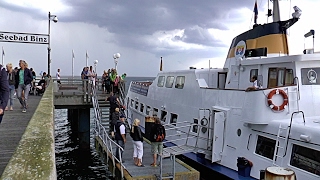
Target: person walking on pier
58,76
158,136
137,138
120,136
23,83
12,82
4,90
92,77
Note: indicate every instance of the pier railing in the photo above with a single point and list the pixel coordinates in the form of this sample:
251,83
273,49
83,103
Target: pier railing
103,134
75,88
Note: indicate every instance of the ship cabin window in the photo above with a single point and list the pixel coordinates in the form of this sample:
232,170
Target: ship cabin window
253,72
306,159
280,77
174,119
179,82
148,110
155,112
163,116
265,147
169,81
132,103
195,126
137,105
289,78
141,107
309,76
161,81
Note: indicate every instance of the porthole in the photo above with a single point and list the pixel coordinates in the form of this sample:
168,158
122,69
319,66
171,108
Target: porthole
239,132
204,121
204,130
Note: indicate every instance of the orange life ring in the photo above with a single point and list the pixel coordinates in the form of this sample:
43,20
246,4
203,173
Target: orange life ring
285,99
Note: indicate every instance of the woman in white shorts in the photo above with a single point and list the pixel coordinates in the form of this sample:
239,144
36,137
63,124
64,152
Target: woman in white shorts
137,143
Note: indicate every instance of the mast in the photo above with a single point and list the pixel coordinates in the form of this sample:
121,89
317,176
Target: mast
276,11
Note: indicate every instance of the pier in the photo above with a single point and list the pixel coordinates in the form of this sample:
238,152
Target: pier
12,128
27,139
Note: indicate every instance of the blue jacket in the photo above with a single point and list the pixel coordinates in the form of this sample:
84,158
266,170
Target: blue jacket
4,88
27,77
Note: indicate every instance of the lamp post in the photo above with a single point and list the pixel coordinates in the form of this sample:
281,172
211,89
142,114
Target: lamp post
54,19
95,62
310,33
116,57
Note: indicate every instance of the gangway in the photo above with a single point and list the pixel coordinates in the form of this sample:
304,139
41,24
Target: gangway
175,150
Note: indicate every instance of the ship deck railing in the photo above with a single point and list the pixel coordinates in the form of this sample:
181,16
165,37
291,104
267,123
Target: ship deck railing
185,128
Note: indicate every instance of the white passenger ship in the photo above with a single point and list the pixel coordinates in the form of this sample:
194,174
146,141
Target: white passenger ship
276,125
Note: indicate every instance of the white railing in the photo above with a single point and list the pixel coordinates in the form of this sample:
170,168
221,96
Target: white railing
102,133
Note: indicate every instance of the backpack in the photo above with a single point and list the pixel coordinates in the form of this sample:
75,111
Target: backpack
159,134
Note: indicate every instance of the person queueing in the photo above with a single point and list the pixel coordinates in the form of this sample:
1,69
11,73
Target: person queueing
115,117
114,103
12,82
120,136
4,91
137,138
23,83
113,76
156,144
106,82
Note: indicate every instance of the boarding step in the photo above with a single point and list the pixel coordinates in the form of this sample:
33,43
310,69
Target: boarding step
103,102
105,116
105,121
104,105
104,112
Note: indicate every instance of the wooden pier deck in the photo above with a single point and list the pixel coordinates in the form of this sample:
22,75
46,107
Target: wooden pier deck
12,127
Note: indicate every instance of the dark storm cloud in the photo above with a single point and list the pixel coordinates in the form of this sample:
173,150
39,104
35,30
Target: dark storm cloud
198,35
147,16
134,22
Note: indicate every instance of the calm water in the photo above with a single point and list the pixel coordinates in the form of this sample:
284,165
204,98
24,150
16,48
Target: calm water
71,161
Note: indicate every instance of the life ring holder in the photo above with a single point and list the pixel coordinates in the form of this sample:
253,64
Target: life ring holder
285,100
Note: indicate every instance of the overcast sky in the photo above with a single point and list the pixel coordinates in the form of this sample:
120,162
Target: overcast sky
184,32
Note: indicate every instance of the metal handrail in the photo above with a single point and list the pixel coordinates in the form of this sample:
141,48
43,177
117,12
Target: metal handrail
103,134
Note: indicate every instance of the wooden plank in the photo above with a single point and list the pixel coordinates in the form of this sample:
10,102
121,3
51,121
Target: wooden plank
12,128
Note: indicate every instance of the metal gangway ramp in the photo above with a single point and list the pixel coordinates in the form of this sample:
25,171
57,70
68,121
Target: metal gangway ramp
175,150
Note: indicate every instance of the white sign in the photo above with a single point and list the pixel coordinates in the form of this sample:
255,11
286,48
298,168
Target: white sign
24,38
